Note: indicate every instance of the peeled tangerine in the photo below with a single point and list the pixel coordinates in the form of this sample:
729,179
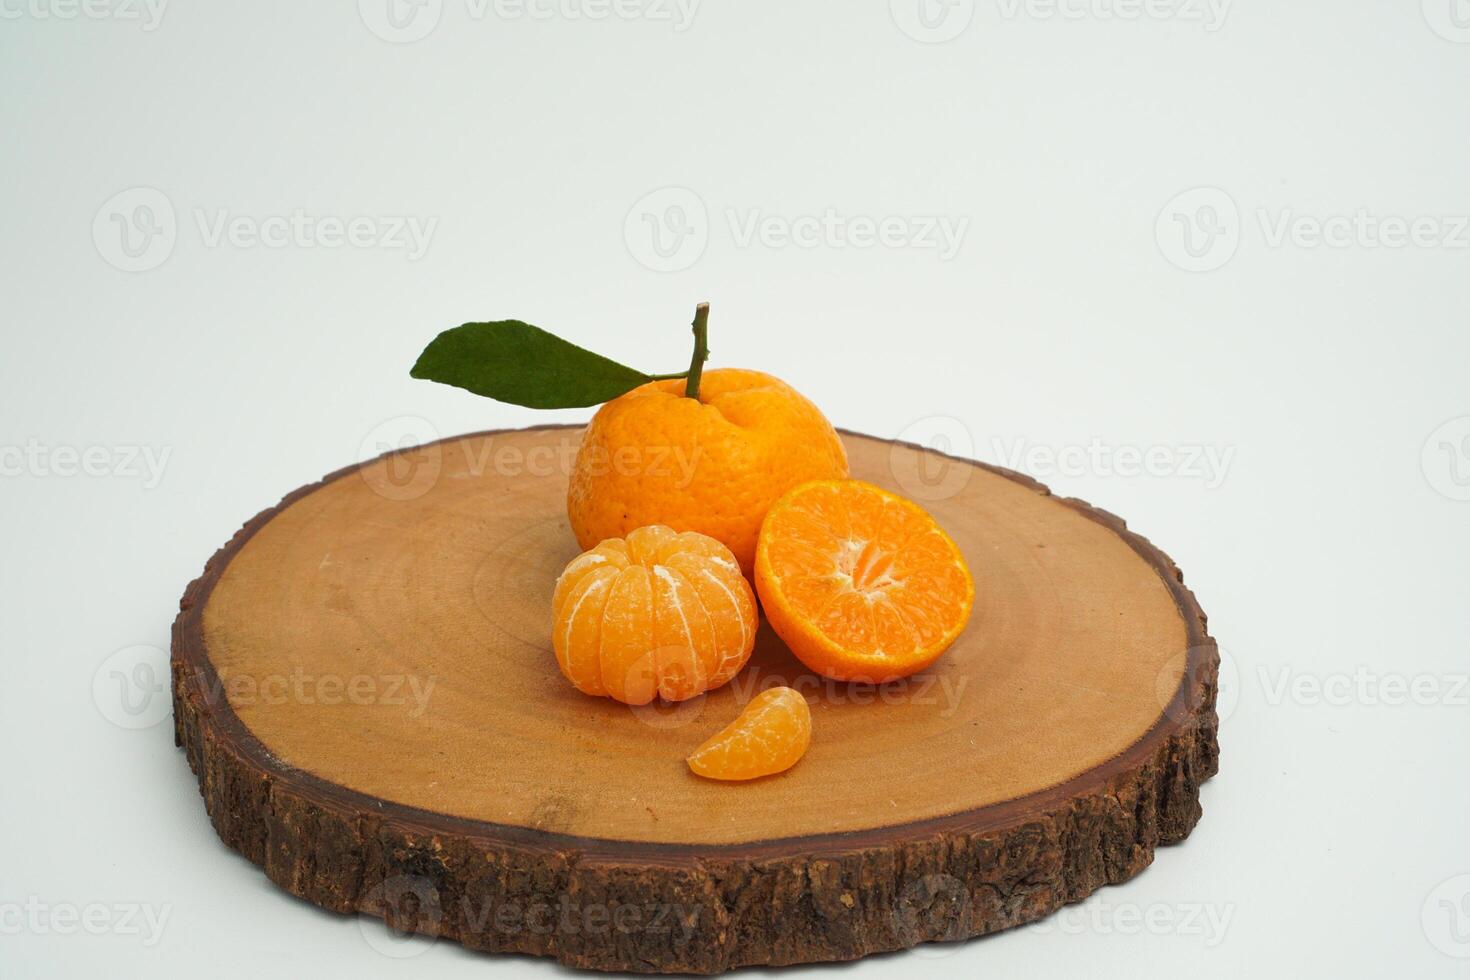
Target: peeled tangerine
656,614
770,736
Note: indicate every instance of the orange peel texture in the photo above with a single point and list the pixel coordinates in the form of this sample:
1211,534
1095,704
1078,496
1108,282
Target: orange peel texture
714,464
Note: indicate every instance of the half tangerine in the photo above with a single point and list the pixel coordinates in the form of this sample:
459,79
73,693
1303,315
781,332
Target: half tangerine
862,584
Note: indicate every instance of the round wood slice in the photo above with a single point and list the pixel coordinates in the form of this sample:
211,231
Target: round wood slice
364,685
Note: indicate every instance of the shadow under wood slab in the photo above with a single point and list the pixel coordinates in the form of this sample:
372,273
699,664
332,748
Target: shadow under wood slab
364,685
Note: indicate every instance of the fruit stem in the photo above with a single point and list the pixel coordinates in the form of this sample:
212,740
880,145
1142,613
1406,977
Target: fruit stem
701,350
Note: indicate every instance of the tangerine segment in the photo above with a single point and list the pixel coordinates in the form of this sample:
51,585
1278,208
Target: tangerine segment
656,614
770,736
862,584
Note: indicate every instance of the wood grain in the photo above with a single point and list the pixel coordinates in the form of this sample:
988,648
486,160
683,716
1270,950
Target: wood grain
364,684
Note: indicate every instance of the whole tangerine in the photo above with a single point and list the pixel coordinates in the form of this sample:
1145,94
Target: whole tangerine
713,464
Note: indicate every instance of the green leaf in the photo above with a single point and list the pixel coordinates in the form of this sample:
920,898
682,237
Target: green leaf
515,362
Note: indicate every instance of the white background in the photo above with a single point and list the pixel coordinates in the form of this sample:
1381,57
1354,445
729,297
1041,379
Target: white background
1329,549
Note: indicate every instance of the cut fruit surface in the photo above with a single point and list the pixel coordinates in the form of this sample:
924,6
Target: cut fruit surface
862,584
770,736
658,614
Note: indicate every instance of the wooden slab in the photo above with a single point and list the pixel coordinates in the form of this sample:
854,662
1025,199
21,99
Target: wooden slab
364,685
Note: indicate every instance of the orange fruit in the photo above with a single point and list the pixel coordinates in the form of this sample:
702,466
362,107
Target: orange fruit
656,614
862,584
714,464
770,736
